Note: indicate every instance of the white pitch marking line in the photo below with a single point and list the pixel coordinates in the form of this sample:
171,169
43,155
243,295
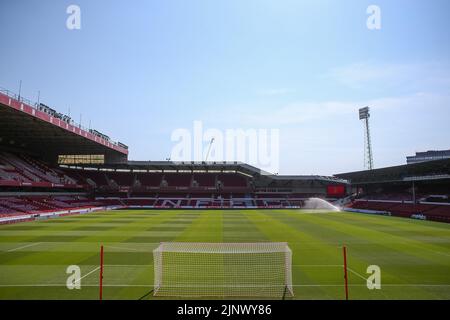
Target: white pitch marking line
25,246
124,248
354,272
87,274
127,265
199,265
318,265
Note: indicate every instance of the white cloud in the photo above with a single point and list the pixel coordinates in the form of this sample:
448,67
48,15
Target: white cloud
302,112
409,113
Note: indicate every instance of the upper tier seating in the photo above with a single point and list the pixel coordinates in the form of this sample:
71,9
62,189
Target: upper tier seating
149,179
205,179
24,169
93,178
122,178
178,179
232,180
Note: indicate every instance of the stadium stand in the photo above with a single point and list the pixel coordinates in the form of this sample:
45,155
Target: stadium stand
22,169
178,179
205,180
149,179
50,166
430,211
232,180
419,190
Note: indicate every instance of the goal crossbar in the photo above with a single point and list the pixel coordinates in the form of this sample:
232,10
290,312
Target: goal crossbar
262,269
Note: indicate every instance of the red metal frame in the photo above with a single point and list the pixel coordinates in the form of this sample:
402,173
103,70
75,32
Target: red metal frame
101,272
344,251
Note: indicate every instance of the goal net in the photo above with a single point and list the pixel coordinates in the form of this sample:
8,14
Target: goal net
261,269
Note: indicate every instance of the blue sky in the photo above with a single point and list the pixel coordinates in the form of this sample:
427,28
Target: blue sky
139,70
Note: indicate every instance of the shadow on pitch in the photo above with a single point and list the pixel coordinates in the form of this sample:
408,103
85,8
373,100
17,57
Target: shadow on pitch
146,295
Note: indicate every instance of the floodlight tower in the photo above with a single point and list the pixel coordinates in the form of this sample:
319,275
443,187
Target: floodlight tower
209,149
364,115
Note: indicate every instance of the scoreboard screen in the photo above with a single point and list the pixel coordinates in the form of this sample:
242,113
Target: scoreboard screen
335,190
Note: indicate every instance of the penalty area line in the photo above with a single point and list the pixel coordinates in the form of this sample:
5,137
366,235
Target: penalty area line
125,248
23,247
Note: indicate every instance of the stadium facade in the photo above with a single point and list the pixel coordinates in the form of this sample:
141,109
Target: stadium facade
50,166
428,156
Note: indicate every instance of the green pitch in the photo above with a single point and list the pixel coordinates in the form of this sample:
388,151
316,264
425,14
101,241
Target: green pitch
414,256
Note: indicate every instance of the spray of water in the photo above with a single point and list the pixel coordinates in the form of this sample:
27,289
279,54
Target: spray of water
317,203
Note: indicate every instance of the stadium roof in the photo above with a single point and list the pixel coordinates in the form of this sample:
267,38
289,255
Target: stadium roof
23,125
430,170
202,166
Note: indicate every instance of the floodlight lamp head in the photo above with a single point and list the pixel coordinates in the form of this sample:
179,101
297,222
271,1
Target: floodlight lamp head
364,113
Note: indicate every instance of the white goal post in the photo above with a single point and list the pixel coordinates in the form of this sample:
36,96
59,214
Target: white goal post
262,269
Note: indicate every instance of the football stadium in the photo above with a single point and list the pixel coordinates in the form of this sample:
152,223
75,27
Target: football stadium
277,192
161,229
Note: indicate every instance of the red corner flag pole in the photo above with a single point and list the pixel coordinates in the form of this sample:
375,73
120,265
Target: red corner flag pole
101,272
344,251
